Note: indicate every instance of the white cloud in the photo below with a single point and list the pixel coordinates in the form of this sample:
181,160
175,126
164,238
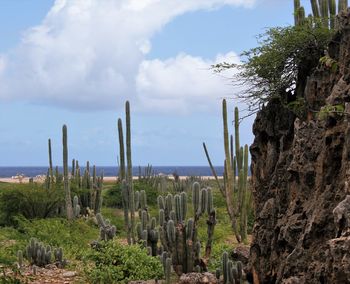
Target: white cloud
181,84
90,54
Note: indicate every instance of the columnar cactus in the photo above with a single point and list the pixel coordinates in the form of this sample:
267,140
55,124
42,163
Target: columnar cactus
236,164
178,236
332,12
122,175
68,199
127,178
126,206
40,255
129,169
50,166
147,232
324,9
166,261
107,231
20,258
76,206
73,169
231,273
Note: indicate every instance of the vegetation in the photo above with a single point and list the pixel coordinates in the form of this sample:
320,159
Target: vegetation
117,263
29,200
235,189
279,66
165,245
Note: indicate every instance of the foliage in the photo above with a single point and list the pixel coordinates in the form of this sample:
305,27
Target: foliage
31,201
218,250
298,107
113,196
283,56
330,63
329,110
117,263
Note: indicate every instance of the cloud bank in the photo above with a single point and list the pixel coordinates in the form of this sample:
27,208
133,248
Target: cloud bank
90,54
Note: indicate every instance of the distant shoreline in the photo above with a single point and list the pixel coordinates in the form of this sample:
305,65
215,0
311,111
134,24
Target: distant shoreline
107,179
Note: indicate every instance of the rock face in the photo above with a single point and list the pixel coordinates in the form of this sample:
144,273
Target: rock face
198,278
301,171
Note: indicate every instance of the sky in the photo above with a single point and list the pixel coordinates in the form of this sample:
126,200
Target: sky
76,62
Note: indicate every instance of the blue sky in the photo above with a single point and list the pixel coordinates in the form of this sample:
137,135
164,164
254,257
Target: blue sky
76,62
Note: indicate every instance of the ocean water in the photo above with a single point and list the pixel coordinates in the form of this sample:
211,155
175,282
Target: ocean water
113,171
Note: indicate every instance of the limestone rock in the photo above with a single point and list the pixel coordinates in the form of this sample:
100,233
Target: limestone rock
300,176
198,278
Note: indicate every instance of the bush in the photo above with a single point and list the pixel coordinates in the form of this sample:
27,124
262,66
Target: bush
117,263
113,196
31,201
279,66
216,255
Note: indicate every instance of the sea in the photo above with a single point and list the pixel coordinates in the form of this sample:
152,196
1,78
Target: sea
109,171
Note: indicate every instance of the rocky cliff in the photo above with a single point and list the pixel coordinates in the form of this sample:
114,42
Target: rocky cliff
301,171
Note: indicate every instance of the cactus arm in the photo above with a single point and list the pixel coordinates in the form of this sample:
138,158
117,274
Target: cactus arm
121,151
213,169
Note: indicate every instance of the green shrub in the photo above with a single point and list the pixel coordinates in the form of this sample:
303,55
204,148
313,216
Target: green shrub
74,236
31,201
113,196
117,263
280,64
216,255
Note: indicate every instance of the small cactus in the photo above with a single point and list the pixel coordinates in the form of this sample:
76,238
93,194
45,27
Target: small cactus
107,231
20,258
39,255
76,207
231,273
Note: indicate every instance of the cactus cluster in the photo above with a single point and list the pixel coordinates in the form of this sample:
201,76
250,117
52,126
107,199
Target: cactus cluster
235,188
232,273
325,10
107,231
40,255
87,186
147,232
178,235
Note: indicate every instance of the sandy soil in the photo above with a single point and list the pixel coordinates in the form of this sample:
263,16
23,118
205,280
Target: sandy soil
108,179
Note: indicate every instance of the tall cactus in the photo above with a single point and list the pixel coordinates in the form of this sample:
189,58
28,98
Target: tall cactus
50,165
129,170
68,199
230,175
235,188
121,151
126,205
